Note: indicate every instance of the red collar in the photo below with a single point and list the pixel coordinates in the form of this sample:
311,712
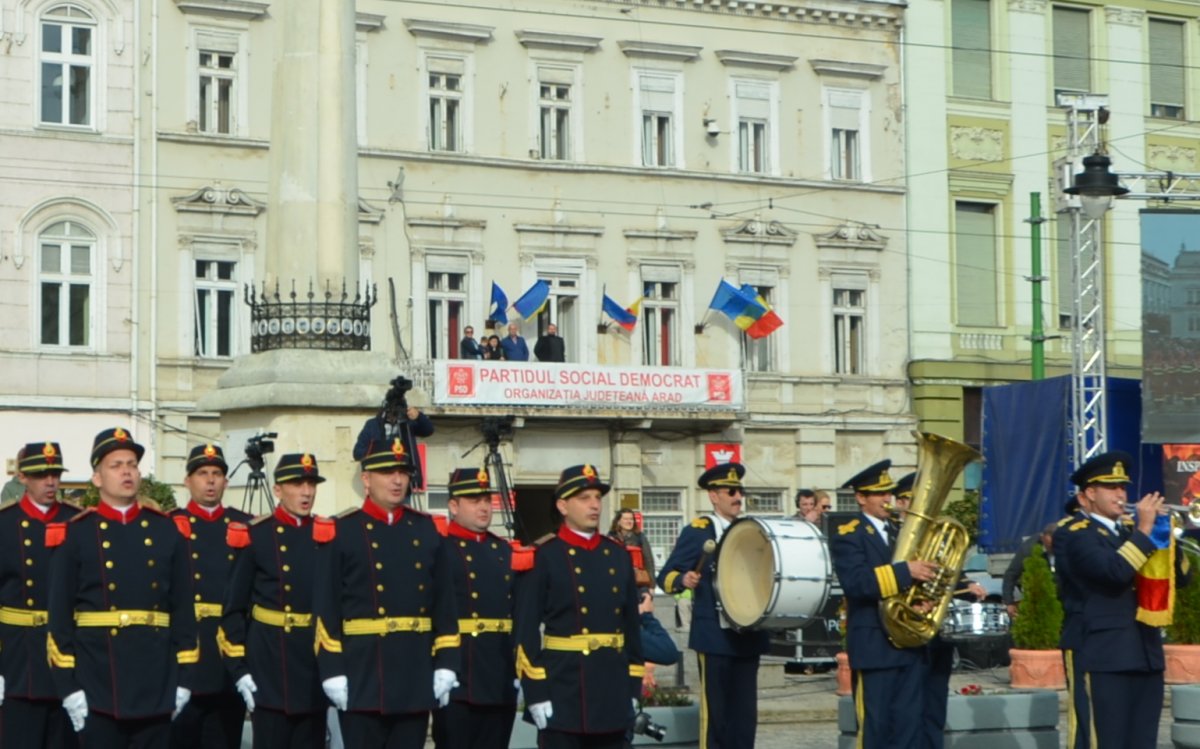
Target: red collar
381,514
288,518
458,531
108,512
203,513
574,539
33,511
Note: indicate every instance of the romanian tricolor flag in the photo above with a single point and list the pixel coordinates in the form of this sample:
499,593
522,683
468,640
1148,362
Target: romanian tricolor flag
1155,580
736,304
626,317
768,323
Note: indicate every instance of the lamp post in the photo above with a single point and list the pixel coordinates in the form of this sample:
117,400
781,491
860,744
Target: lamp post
1096,186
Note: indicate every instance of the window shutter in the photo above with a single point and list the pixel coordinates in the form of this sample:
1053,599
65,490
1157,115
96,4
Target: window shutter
971,35
558,76
211,41
844,109
1166,63
753,100
657,93
975,263
1072,47
446,65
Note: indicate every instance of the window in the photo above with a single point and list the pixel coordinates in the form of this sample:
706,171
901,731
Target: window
216,297
660,316
445,104
971,37
1167,65
554,113
764,501
975,268
658,101
68,34
562,310
662,517
446,291
1072,49
217,75
759,353
844,110
753,102
849,321
65,284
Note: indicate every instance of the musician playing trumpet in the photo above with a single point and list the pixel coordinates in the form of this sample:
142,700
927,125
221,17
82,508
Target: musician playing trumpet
728,659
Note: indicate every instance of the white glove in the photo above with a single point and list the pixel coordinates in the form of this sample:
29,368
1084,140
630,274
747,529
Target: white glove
443,681
75,704
182,695
541,713
337,689
634,701
1,690
246,687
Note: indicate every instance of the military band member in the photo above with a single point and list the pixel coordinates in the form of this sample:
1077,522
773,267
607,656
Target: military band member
583,679
31,714
122,638
266,632
215,715
386,631
888,693
1122,658
728,659
1078,721
481,710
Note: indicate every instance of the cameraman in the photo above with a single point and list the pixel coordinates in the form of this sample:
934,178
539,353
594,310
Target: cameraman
374,431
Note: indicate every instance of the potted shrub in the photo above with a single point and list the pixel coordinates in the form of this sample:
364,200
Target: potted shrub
1037,662
1182,648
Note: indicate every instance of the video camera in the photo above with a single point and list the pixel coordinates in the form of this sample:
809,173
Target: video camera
257,447
644,725
395,403
496,428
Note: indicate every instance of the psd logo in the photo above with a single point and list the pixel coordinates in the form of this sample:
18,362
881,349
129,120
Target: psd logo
462,381
720,388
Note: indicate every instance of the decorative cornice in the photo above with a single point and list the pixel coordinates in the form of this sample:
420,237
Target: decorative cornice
368,21
888,12
216,199
738,58
1120,16
847,69
558,229
556,40
249,10
977,144
669,236
638,48
368,214
636,261
460,32
1171,158
445,223
754,231
1028,6
851,236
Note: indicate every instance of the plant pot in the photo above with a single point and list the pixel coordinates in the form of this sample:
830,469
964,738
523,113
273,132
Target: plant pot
1183,664
1037,669
844,682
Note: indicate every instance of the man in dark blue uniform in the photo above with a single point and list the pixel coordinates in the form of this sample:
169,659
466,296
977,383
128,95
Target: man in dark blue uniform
583,679
728,659
31,714
1122,658
122,638
889,695
386,633
1071,595
482,708
215,715
266,632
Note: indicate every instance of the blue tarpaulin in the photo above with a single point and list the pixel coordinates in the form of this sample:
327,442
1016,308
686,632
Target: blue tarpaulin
1028,456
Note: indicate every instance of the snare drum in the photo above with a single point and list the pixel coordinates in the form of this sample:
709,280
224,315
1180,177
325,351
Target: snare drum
771,574
965,620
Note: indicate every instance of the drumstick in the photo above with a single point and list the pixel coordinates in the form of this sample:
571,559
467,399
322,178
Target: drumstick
709,547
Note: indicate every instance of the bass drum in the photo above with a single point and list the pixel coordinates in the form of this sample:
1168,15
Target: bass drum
772,574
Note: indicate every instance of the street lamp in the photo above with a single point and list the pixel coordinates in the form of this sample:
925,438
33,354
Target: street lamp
1096,186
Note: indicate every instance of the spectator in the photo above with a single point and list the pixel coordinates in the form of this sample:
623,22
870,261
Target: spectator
550,347
469,348
806,505
624,530
824,504
513,345
1012,576
492,350
657,645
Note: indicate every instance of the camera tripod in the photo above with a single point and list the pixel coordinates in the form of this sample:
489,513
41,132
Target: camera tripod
498,474
257,499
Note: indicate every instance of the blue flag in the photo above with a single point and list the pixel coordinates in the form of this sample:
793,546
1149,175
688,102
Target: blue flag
736,303
533,300
626,318
499,309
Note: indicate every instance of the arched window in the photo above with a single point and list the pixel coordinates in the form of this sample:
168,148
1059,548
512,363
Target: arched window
68,62
67,251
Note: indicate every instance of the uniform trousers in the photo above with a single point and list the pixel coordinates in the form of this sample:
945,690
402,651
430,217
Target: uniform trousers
728,702
939,662
1125,708
210,721
888,703
1078,719
35,724
548,739
277,730
375,731
102,731
460,725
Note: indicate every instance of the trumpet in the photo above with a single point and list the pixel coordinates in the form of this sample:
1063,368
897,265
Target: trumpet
1191,512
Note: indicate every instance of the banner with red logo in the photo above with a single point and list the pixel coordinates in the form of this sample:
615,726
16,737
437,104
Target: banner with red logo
458,382
716,453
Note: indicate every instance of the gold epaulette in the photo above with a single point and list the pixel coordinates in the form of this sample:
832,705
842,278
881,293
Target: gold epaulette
1080,525
1065,520
545,538
700,523
849,527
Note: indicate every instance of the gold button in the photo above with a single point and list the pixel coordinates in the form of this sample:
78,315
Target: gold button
195,555
474,594
287,608
585,630
571,552
494,546
612,571
149,562
583,609
149,542
112,632
226,521
418,564
154,585
463,544
617,610
112,586
109,564
197,596
145,523
616,589
421,586
469,558
28,542
29,583
374,544
28,562
287,568
578,570
282,547
192,537
606,552
279,529
28,601
379,565
197,575
422,610
231,557
24,523
471,575
580,588
105,544
103,526
382,610
416,542
288,588
370,526
192,519
379,588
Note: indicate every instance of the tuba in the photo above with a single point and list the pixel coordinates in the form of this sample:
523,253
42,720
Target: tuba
925,536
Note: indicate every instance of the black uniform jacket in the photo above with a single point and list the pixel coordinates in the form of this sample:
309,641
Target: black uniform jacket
707,634
1104,565
385,609
864,567
211,562
122,626
1069,590
483,589
584,590
24,592
273,570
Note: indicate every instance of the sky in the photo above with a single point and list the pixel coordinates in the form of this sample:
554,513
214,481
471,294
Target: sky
1163,233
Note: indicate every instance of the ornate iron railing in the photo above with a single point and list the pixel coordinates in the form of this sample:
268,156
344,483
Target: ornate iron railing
310,322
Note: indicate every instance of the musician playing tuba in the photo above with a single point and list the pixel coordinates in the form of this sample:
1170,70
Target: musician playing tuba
887,680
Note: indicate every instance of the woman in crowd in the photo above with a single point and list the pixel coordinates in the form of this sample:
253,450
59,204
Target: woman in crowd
624,530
